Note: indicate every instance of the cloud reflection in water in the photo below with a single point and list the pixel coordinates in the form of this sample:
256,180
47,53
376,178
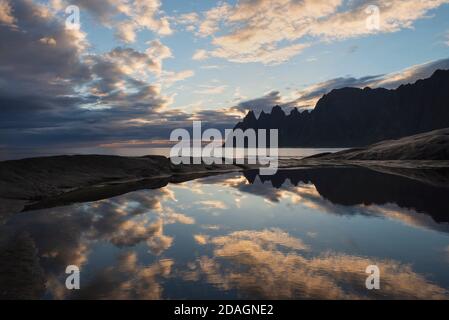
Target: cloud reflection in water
135,246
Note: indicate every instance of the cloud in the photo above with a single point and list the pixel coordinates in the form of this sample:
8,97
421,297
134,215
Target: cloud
411,74
272,32
130,61
309,96
224,118
394,16
210,67
48,41
210,24
127,17
212,204
208,90
170,77
126,32
406,216
54,91
270,55
126,222
201,239
311,59
133,232
67,94
6,16
121,80
38,54
270,264
200,54
188,20
158,52
127,279
274,236
264,103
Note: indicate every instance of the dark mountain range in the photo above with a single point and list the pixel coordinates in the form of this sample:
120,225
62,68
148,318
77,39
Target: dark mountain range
351,117
356,186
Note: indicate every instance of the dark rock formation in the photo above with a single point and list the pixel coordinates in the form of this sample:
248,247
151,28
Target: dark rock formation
433,145
21,275
356,186
351,117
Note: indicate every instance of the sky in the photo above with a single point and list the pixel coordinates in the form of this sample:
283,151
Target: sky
134,70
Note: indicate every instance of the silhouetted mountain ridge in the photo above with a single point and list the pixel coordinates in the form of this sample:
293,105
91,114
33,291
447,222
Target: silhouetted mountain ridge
355,186
350,117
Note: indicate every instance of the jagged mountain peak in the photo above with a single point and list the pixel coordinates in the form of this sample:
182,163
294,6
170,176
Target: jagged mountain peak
277,110
351,117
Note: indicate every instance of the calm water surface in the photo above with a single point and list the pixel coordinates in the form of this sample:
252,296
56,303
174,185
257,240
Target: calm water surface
20,153
301,234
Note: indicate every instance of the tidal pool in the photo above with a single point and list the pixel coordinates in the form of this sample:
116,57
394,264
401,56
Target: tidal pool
301,234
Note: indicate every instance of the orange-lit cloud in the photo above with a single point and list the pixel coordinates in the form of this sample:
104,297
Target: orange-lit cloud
268,265
258,29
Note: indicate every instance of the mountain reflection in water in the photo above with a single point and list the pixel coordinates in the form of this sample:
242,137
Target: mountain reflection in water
301,234
355,186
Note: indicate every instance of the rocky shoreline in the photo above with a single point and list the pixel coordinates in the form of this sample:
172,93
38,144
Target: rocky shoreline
37,183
